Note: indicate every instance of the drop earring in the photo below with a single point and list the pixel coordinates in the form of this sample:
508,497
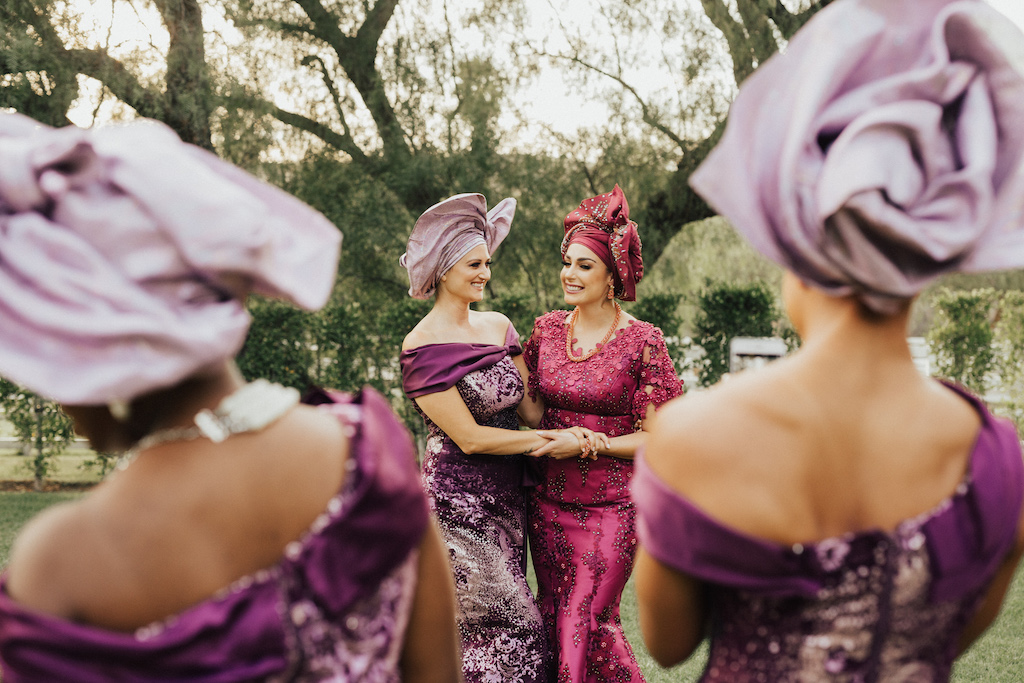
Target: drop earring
120,410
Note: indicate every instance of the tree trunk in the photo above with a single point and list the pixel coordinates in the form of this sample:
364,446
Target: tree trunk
188,97
38,460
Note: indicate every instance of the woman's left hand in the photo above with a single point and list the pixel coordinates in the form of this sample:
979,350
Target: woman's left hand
571,442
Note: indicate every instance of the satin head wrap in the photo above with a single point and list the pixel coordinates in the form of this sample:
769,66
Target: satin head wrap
449,230
602,225
125,255
883,149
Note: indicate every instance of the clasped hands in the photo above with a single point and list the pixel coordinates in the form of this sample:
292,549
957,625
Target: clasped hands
573,442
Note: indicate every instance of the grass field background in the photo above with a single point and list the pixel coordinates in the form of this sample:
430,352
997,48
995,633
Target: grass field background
997,658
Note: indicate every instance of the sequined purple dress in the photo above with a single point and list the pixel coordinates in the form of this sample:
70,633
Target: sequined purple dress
480,504
334,608
866,606
582,522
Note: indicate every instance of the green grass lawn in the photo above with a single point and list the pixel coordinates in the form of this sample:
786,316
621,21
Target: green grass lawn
997,658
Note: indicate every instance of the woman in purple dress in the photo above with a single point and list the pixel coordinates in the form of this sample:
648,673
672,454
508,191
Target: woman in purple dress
462,369
838,516
600,368
244,537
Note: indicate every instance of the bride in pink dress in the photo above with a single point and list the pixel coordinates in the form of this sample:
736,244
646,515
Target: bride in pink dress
600,368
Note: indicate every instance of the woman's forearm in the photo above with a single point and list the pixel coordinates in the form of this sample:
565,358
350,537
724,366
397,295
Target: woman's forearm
624,446
497,441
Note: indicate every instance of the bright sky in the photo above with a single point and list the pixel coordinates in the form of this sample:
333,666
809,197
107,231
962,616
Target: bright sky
1014,9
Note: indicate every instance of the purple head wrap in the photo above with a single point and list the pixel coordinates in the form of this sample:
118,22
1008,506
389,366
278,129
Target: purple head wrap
125,253
883,149
449,230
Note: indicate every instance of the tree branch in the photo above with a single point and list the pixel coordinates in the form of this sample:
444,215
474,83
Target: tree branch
312,60
788,22
759,31
376,21
325,25
188,101
272,24
739,47
343,142
648,117
357,57
119,80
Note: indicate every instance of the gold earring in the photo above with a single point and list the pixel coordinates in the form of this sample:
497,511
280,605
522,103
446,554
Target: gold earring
120,410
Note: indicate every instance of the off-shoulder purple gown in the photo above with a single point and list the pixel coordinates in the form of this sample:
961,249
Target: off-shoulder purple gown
334,608
480,504
866,606
582,522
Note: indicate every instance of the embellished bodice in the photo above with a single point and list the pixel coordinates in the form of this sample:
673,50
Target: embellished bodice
492,395
867,606
335,607
484,375
608,391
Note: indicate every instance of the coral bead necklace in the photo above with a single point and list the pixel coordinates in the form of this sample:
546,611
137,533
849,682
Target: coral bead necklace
570,329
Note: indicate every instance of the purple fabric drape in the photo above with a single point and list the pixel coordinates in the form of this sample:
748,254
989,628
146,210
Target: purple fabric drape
966,539
436,367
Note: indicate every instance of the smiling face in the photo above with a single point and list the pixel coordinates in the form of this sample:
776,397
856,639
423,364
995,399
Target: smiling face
585,277
466,279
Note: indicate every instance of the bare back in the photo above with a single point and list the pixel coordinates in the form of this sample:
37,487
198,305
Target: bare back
180,523
793,454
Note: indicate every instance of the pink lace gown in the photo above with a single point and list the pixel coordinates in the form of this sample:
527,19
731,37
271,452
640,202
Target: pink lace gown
581,520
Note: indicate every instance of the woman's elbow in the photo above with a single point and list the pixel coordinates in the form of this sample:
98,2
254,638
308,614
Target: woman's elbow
668,652
667,645
470,445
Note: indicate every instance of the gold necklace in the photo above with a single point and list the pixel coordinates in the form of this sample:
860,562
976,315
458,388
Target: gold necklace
600,345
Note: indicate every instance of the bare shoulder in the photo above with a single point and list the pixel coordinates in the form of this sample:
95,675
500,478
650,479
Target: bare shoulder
704,436
423,333
317,448
494,323
39,566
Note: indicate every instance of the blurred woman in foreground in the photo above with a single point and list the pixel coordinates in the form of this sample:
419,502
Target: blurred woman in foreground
837,515
244,537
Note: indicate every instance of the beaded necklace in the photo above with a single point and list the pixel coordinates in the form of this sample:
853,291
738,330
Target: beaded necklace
572,327
249,409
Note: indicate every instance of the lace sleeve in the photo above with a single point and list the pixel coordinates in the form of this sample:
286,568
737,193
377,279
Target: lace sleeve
659,382
531,350
543,326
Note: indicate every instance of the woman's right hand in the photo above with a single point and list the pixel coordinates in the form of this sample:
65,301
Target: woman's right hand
590,441
574,442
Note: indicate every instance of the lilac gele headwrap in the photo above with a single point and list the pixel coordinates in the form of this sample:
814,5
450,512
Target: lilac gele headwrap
125,253
602,225
883,149
449,230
